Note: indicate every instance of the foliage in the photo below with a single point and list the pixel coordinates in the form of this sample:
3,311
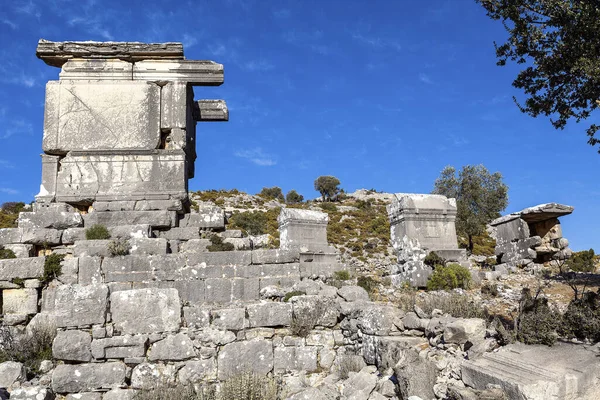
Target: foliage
257,223
216,196
483,244
342,275
448,277
52,267
536,322
480,197
560,43
30,349
432,260
9,212
328,186
293,293
328,207
582,261
217,244
367,283
172,393
457,305
272,193
6,253
119,247
490,289
582,318
305,318
248,386
97,232
292,197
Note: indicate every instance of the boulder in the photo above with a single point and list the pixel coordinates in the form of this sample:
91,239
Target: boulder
146,310
177,347
353,293
465,330
254,356
11,372
416,376
74,378
72,346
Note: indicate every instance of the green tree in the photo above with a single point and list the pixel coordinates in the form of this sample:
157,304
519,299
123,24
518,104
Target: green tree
559,41
328,186
480,197
272,193
292,197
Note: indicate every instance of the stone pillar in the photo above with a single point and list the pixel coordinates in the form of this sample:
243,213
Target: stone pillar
303,230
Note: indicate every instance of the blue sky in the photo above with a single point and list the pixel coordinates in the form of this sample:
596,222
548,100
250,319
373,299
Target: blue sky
381,94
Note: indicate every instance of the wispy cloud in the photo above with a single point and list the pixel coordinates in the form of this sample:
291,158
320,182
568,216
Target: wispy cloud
8,190
376,42
458,141
189,40
258,65
256,156
14,127
283,13
10,23
311,40
29,8
425,78
5,164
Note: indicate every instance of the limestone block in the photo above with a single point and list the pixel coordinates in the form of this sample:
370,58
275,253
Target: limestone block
205,73
70,235
218,291
287,359
148,246
232,233
274,256
181,234
76,305
31,393
10,235
85,396
320,338
190,292
155,219
91,248
22,250
90,270
322,310
158,174
416,376
150,205
353,293
49,219
173,105
249,271
198,371
21,268
74,378
194,245
380,320
11,372
245,289
125,346
211,336
302,229
360,385
254,356
19,301
384,351
207,217
196,316
220,258
72,346
515,229
41,236
465,330
269,314
146,310
148,376
313,265
120,205
120,394
177,347
101,115
231,319
211,110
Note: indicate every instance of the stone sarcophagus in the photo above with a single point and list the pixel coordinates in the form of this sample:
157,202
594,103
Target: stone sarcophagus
120,122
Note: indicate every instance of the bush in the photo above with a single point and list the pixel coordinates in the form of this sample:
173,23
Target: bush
97,232
432,260
29,349
9,212
343,275
451,276
582,261
292,197
272,193
304,319
329,207
52,267
536,322
582,318
217,244
328,186
171,393
119,247
248,386
293,293
490,289
458,306
367,283
6,254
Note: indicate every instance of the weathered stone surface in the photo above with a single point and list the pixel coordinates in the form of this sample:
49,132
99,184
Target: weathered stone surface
155,219
120,394
416,376
49,219
21,268
41,236
11,372
20,250
69,271
130,231
229,318
10,235
254,356
536,372
323,311
32,393
148,376
196,316
194,245
211,110
360,385
85,396
274,256
465,330
287,359
148,246
19,301
220,258
177,347
193,72
76,305
90,270
146,310
180,234
380,320
269,314
149,205
303,230
385,351
125,346
207,217
353,293
73,378
91,248
198,371
72,345
231,233
319,265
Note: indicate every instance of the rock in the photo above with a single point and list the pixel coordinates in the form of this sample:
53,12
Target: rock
416,376
20,301
465,330
309,394
10,373
320,311
411,321
31,393
49,219
380,320
74,378
360,385
229,318
120,394
125,346
21,268
146,310
72,346
76,305
303,358
303,230
353,293
254,356
148,376
269,314
198,371
177,347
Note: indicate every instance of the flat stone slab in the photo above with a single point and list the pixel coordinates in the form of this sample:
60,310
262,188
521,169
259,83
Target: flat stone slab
146,310
538,213
76,305
56,54
211,110
74,378
564,371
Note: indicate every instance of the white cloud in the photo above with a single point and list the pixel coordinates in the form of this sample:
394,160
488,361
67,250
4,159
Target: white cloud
258,65
425,78
376,42
256,156
4,164
14,127
8,190
189,40
10,23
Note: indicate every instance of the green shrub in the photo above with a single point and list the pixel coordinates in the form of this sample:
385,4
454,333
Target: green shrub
9,212
6,254
330,207
293,293
490,289
432,259
217,244
536,322
582,318
97,232
457,305
29,349
272,193
367,283
52,267
292,197
451,276
249,386
582,261
342,275
119,247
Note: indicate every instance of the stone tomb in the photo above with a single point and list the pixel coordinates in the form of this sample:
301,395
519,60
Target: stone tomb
420,224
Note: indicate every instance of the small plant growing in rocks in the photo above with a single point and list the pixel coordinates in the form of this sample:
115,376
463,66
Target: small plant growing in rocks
448,277
217,244
97,232
293,293
343,275
119,247
249,386
30,349
6,254
537,321
367,283
304,319
433,260
52,267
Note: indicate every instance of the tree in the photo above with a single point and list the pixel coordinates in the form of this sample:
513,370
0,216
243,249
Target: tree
480,196
292,197
272,193
561,41
328,186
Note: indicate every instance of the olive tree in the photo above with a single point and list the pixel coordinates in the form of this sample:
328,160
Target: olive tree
328,186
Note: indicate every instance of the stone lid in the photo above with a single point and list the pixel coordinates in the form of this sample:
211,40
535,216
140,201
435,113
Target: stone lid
57,53
541,212
299,215
419,201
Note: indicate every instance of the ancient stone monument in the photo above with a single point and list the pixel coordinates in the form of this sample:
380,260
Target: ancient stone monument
120,129
420,224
